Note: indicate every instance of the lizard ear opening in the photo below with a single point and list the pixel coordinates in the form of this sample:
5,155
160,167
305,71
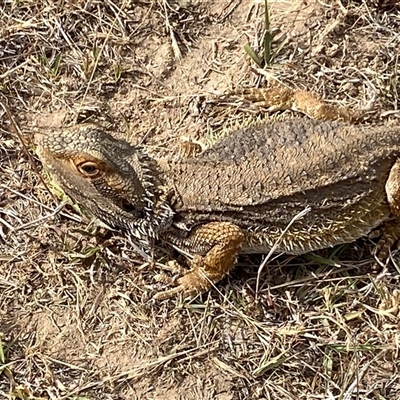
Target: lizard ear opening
128,207
89,169
131,209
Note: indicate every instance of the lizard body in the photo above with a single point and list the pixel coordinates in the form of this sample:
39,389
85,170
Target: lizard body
241,195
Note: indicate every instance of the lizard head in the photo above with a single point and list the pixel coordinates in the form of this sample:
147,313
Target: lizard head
109,177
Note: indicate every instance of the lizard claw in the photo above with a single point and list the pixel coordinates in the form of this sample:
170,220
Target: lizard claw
193,282
167,294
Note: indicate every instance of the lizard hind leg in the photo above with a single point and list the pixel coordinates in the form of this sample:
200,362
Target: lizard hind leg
222,242
391,228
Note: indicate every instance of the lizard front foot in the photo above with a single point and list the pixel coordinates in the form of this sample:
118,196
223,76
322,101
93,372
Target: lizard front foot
192,283
391,228
389,239
222,242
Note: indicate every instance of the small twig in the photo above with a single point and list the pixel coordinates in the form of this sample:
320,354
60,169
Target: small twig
276,244
12,70
36,221
69,216
18,132
355,384
174,43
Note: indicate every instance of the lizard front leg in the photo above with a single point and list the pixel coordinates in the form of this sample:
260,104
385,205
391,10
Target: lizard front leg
391,228
217,245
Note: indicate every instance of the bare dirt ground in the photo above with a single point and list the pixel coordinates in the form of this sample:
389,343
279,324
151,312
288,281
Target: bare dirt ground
77,319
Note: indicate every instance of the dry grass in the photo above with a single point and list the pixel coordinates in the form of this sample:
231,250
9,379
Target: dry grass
76,316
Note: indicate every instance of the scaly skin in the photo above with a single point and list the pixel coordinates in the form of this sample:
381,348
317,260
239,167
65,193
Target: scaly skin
240,195
280,98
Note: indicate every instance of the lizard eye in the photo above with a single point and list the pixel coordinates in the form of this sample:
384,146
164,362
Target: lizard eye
89,169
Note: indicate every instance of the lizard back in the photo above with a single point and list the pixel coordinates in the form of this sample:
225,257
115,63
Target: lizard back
261,177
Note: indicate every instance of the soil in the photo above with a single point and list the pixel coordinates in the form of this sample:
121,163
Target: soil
77,319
